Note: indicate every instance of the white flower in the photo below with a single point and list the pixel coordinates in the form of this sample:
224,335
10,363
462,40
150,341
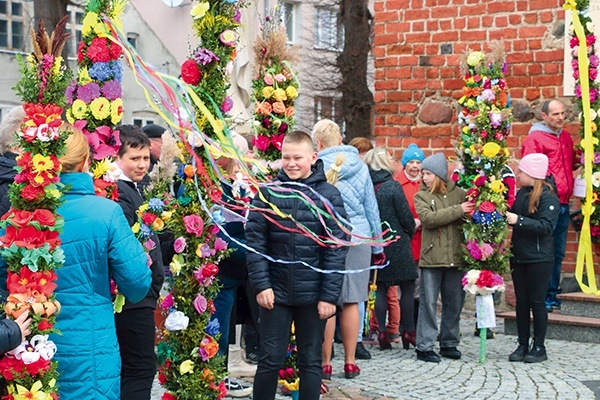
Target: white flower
593,114
176,321
32,351
596,179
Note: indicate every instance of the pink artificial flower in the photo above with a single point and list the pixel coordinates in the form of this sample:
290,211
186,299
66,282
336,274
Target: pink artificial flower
261,142
193,224
269,79
474,250
277,141
200,304
104,141
486,251
280,78
220,244
149,244
167,302
179,244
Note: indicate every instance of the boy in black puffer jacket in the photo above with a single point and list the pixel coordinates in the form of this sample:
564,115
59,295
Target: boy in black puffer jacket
291,291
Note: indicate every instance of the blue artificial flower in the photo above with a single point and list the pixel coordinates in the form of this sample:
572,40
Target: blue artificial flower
145,230
117,71
180,172
212,328
155,204
100,71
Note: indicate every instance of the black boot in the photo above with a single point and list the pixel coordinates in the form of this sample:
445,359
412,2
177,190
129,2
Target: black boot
521,351
537,353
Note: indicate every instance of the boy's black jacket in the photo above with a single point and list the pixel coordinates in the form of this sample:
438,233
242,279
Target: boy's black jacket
293,283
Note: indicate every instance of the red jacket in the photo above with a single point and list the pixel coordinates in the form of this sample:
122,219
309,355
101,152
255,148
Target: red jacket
560,153
410,189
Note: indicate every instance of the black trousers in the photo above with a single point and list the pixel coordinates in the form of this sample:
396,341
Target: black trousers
274,338
135,332
531,282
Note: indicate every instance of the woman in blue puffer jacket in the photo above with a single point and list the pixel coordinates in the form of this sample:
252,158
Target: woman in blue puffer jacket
98,245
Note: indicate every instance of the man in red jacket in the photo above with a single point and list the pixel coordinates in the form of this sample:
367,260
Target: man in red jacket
551,139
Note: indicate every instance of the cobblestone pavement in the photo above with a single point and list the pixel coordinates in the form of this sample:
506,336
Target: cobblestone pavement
571,372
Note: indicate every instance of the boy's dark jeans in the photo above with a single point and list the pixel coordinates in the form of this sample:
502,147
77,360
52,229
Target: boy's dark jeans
274,338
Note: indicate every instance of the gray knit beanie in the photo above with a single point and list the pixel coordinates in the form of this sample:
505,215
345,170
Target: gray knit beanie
436,164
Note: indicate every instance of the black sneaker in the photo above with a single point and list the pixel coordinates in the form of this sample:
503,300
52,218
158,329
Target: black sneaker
489,333
361,352
237,388
519,353
428,356
450,352
536,354
251,357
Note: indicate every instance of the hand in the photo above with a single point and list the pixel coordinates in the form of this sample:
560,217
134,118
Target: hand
24,321
325,309
467,207
417,224
266,299
378,259
511,218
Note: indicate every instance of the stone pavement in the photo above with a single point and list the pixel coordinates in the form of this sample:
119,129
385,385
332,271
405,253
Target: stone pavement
571,372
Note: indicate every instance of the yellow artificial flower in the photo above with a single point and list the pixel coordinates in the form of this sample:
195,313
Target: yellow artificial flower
101,29
291,92
116,111
101,167
570,5
470,103
176,265
462,100
41,163
31,60
166,215
142,209
497,186
267,91
53,193
118,7
100,108
186,367
27,394
473,149
158,225
199,10
57,64
136,228
69,115
465,129
84,76
475,58
79,109
593,126
491,149
279,95
89,22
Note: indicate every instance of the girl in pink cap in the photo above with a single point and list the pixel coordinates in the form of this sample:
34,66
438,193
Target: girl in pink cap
532,217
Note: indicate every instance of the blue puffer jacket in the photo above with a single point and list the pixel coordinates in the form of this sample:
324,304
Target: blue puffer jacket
356,187
98,245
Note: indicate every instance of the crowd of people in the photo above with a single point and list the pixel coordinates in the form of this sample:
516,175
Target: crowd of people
416,199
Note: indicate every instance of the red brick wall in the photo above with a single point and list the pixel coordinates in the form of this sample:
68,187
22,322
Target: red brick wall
418,46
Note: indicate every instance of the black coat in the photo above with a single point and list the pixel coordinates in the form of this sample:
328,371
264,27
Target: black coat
293,283
395,210
233,266
130,200
532,238
10,335
7,176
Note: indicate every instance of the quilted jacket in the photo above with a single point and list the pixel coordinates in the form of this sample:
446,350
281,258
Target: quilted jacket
295,284
354,183
98,244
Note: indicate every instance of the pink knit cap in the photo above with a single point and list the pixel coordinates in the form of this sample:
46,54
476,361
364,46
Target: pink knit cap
535,165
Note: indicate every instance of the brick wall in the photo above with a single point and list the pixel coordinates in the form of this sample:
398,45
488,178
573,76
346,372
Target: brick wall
418,47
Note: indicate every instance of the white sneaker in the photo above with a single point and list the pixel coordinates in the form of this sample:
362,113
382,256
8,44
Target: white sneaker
237,388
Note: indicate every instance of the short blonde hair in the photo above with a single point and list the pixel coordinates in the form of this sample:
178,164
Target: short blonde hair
378,159
77,152
10,124
327,132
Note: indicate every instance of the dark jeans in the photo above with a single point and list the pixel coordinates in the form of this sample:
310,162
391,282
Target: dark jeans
561,228
135,332
530,282
274,328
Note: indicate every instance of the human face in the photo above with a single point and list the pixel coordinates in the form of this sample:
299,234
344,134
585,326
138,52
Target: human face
135,163
555,117
413,168
524,179
297,159
156,147
428,177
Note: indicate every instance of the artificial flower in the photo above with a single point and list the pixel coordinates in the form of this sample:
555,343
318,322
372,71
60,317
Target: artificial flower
200,304
278,107
267,91
199,10
176,321
186,367
193,224
497,186
190,72
279,95
228,37
291,92
491,149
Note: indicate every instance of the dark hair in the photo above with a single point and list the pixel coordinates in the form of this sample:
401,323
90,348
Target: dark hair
299,136
133,137
546,105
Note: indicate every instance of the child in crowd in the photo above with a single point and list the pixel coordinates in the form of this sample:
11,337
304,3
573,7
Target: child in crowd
441,206
135,323
291,291
532,217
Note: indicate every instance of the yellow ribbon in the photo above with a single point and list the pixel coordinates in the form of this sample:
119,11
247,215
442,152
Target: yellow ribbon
584,252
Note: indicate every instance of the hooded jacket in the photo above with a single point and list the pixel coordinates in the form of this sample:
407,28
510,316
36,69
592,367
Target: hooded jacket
558,147
394,209
356,188
295,284
411,188
532,238
441,217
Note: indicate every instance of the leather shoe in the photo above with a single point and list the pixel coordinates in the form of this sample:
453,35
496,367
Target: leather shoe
361,352
428,356
326,371
351,371
450,352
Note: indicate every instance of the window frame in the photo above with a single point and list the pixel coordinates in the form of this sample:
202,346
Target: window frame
336,26
13,20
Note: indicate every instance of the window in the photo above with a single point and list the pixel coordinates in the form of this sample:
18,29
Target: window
288,16
74,26
11,25
132,38
331,108
329,31
141,122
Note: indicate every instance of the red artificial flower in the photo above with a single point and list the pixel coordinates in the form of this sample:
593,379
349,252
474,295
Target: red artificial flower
487,207
44,217
115,51
30,237
479,180
168,396
473,193
486,279
261,142
32,193
20,218
24,159
38,114
80,54
106,189
148,218
190,72
44,325
210,270
97,51
25,279
277,141
222,390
